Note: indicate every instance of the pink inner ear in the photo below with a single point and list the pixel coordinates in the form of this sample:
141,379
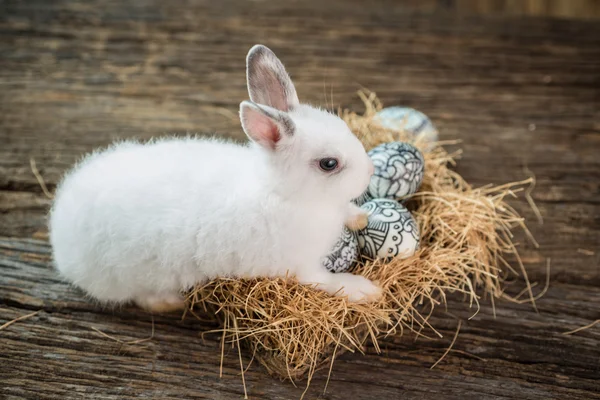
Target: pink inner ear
274,93
262,128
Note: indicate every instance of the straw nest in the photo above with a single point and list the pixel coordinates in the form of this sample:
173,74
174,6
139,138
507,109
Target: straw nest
293,330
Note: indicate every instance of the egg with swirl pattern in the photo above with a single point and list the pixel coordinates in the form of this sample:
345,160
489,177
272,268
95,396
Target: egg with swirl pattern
343,254
411,121
399,170
391,230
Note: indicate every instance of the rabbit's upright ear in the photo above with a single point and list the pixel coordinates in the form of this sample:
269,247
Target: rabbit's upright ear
268,82
265,125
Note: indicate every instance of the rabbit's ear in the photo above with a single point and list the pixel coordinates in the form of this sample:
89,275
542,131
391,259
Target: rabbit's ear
265,125
268,82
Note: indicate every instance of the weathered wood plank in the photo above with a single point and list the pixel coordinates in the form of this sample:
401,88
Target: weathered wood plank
520,354
522,93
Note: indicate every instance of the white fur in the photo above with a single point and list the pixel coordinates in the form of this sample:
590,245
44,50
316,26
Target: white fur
144,221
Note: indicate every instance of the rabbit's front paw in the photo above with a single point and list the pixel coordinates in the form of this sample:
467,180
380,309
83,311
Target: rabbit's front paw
356,218
357,222
161,303
358,288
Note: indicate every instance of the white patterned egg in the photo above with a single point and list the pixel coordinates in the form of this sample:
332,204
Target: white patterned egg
391,231
399,170
344,253
363,198
409,120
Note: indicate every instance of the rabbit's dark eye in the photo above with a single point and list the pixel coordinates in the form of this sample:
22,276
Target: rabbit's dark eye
328,164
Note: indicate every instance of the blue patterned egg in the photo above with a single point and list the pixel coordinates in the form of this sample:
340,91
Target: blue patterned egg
344,253
409,120
391,231
399,170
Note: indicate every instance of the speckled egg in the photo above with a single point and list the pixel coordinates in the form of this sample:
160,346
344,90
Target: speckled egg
409,120
344,253
391,232
399,169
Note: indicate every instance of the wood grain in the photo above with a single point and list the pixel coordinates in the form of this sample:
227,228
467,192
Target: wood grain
522,93
58,353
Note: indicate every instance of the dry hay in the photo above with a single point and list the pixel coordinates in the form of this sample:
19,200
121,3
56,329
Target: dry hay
292,329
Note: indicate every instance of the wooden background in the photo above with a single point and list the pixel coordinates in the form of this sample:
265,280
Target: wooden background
518,82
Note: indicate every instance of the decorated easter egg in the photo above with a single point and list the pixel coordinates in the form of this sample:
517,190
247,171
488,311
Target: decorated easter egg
399,169
343,254
363,198
391,231
409,120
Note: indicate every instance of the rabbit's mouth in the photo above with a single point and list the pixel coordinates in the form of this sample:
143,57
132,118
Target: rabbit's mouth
371,171
363,189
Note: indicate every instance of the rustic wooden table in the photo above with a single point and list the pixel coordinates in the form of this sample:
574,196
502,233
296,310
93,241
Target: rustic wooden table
523,93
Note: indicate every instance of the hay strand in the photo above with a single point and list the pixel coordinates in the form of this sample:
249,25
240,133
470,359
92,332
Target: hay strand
529,198
466,235
21,318
585,252
131,342
449,347
581,328
237,340
39,178
106,335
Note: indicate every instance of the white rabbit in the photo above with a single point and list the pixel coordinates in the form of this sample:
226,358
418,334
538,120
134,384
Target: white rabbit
144,222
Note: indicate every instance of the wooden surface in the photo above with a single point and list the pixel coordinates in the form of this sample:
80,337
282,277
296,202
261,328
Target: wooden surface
523,93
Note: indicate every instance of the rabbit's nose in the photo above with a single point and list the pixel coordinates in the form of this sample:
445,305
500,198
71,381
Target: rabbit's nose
371,168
